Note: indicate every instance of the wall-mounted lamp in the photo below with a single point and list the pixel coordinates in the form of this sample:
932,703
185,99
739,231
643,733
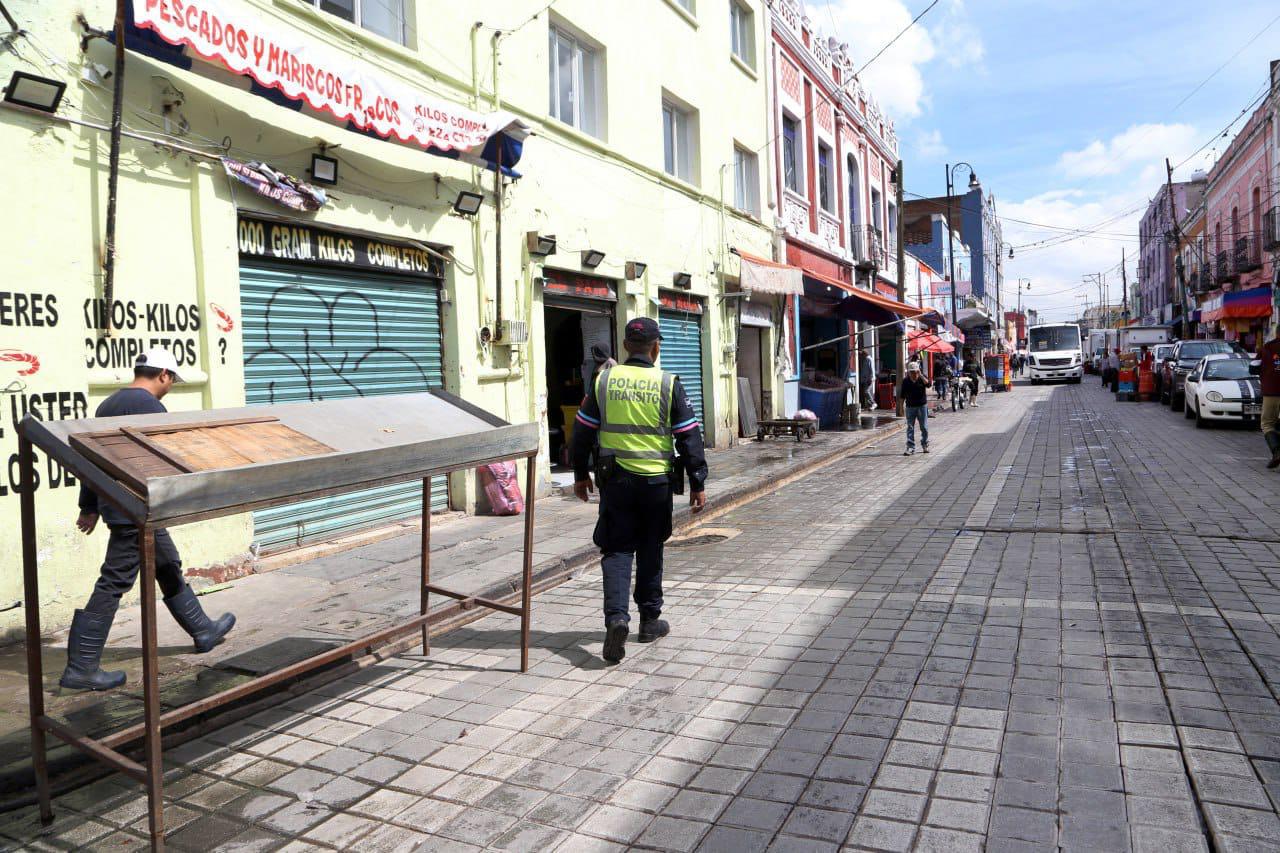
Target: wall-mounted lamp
682,279
635,269
591,258
37,93
468,203
324,170
1010,253
540,245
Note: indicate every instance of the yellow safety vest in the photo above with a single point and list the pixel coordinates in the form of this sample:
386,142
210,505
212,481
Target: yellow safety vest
635,417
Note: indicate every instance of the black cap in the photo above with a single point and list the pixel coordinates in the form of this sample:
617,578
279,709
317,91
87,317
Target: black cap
643,330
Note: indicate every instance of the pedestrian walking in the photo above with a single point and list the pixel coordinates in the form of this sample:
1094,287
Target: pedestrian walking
638,415
1113,369
1269,355
915,398
154,374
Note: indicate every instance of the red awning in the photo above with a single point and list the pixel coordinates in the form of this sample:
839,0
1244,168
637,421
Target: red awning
902,309
927,341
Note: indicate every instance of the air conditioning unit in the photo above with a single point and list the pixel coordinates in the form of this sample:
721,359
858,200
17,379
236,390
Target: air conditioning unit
514,333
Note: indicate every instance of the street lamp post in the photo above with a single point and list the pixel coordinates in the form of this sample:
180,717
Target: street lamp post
951,243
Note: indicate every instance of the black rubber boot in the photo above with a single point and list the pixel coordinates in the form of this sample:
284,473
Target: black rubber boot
188,613
1273,441
84,653
615,641
653,629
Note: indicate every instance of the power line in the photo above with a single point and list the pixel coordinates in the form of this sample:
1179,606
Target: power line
895,38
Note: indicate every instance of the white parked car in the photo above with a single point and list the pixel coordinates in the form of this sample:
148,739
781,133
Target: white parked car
1222,388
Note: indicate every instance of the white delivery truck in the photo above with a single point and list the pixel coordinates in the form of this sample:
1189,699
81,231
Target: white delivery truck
1056,352
1134,338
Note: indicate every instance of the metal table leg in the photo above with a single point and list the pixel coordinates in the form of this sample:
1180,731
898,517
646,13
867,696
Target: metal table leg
531,481
151,687
426,561
31,602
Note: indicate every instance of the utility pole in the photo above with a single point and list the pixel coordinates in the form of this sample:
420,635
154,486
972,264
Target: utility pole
1124,279
902,281
1179,284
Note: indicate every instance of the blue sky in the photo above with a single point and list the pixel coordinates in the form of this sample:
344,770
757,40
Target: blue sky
1065,109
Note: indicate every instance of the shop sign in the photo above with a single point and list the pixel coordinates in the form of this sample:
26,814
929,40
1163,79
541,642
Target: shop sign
299,241
283,189
229,34
679,302
566,283
980,336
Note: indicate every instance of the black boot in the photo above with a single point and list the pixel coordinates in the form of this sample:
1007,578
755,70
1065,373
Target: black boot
615,641
188,613
653,629
84,653
1273,441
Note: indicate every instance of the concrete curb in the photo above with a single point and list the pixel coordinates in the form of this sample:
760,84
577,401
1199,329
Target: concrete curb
73,770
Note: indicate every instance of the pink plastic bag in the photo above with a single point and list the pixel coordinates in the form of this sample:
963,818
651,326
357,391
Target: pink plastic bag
502,487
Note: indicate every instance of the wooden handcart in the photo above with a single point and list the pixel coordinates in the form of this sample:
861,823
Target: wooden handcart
799,427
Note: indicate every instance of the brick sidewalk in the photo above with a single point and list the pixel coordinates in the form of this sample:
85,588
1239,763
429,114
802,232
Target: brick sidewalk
998,646
284,614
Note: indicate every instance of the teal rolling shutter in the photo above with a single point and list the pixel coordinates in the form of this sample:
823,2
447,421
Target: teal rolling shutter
315,334
681,354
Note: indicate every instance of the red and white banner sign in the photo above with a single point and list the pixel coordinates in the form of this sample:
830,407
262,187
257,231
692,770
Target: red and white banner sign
228,33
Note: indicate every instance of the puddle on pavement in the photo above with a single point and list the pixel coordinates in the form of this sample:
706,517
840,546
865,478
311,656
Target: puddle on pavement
703,536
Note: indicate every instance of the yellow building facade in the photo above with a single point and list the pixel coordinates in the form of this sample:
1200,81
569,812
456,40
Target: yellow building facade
646,162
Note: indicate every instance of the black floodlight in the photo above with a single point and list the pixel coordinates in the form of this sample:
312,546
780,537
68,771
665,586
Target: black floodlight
324,170
635,269
468,203
682,279
591,258
34,92
540,245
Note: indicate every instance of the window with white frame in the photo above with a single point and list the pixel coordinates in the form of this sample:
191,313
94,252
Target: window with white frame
387,18
742,32
792,157
678,140
746,181
826,179
576,82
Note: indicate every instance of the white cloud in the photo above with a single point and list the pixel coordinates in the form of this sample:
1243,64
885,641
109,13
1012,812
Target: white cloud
929,144
897,78
1144,145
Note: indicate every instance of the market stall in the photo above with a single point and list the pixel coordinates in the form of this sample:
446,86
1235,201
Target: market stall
166,470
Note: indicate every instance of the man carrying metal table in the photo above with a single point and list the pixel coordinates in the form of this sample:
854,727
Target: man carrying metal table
154,375
641,416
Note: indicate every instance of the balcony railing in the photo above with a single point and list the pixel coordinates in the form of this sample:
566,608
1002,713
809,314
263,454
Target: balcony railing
876,252
1223,271
1248,255
1271,230
1193,280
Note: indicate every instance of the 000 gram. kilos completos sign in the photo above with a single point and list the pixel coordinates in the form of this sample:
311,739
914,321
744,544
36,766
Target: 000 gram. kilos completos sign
225,32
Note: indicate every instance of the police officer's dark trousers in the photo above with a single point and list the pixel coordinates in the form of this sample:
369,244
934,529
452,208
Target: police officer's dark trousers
635,519
120,569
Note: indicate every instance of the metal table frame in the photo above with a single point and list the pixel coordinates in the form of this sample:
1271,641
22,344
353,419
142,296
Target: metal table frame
31,433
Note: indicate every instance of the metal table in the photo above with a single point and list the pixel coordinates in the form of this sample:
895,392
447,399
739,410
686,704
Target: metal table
302,451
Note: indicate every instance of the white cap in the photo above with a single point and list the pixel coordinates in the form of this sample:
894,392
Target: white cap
159,358
913,366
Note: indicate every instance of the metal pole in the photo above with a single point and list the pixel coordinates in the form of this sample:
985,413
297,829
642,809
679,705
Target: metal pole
113,171
31,600
151,687
900,409
951,249
497,239
426,561
526,586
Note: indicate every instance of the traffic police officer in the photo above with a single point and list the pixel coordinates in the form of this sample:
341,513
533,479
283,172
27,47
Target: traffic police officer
640,416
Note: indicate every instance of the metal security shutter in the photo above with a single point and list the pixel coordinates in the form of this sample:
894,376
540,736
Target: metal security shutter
314,334
681,353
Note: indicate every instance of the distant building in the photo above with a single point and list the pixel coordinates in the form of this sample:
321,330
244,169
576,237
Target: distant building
1156,279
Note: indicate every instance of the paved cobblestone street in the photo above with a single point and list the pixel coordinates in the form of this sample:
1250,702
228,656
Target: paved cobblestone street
1056,631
